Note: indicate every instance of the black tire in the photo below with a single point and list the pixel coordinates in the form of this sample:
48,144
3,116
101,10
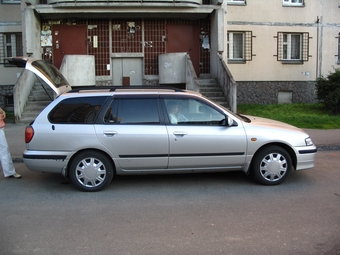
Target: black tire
271,165
91,171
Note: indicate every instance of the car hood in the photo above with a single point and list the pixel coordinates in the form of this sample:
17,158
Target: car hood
269,123
268,130
45,71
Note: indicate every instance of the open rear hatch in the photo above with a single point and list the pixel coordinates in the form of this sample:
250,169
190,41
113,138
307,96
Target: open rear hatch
44,70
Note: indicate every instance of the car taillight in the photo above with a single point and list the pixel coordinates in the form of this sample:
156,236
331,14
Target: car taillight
29,133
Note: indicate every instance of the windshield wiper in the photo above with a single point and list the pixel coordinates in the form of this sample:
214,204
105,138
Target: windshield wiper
244,118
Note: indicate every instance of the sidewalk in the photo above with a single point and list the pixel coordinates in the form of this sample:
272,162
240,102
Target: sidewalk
15,134
325,139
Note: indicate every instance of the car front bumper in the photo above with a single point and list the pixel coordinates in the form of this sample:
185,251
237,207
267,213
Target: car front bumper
305,157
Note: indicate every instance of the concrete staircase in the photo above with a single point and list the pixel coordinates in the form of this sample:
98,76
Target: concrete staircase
211,89
37,101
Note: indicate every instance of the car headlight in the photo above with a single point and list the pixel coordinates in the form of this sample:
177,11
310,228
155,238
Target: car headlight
308,141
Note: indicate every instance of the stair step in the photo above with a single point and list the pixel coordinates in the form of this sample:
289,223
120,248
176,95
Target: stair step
35,105
38,97
205,82
213,94
37,101
205,76
210,88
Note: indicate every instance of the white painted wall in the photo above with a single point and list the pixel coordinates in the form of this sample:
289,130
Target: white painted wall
320,18
79,70
10,22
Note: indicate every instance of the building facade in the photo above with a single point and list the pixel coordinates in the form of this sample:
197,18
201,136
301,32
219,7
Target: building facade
277,49
125,37
274,49
10,45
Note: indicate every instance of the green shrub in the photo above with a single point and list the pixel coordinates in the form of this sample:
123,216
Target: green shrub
328,91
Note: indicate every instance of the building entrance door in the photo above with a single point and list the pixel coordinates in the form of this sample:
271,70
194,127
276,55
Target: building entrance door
184,38
127,71
68,40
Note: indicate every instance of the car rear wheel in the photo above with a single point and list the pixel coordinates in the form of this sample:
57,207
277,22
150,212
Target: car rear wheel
271,166
91,171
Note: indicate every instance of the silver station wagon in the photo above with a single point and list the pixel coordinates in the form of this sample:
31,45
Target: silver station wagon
90,135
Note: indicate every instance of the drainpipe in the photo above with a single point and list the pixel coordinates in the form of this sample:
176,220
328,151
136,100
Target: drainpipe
319,22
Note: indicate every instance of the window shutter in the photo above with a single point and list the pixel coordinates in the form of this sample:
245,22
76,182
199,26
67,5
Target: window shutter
248,46
305,47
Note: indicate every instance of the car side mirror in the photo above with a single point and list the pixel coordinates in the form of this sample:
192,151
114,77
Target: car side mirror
230,121
227,121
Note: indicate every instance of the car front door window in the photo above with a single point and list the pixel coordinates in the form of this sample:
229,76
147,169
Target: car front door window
192,112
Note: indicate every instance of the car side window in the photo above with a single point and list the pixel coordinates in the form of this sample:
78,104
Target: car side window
81,110
189,111
133,111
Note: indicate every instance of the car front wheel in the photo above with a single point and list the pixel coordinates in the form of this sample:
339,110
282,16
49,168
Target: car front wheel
91,171
271,165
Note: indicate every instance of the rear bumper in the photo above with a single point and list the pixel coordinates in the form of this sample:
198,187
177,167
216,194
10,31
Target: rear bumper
46,161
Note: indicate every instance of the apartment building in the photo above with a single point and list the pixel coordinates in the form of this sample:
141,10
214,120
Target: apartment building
10,45
277,48
274,49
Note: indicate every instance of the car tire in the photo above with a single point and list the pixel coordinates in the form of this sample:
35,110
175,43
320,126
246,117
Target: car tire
91,171
271,165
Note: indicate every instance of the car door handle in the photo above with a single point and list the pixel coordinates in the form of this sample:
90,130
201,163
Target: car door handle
110,133
180,133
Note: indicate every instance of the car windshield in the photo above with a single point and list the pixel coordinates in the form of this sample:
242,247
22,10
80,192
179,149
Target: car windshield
237,115
51,72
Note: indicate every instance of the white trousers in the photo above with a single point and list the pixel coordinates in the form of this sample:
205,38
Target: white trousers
5,155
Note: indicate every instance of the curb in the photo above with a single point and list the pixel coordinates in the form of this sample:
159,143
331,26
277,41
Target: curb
325,147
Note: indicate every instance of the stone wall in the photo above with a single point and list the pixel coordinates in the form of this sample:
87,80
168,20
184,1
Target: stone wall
268,92
5,90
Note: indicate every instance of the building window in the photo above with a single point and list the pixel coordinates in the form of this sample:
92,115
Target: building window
11,1
10,45
239,46
236,2
338,49
292,2
292,47
9,101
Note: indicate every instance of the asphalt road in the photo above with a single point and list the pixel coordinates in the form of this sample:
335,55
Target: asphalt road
174,214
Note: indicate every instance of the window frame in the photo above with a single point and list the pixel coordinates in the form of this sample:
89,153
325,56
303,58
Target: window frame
125,103
289,3
15,46
190,108
303,44
236,2
80,110
10,1
247,46
338,59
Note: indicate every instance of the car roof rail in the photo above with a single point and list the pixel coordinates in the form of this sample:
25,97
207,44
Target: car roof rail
122,88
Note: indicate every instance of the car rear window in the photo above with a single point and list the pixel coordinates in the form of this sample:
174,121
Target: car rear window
77,110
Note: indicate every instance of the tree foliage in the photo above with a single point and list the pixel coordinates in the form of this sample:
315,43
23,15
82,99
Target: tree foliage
328,91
